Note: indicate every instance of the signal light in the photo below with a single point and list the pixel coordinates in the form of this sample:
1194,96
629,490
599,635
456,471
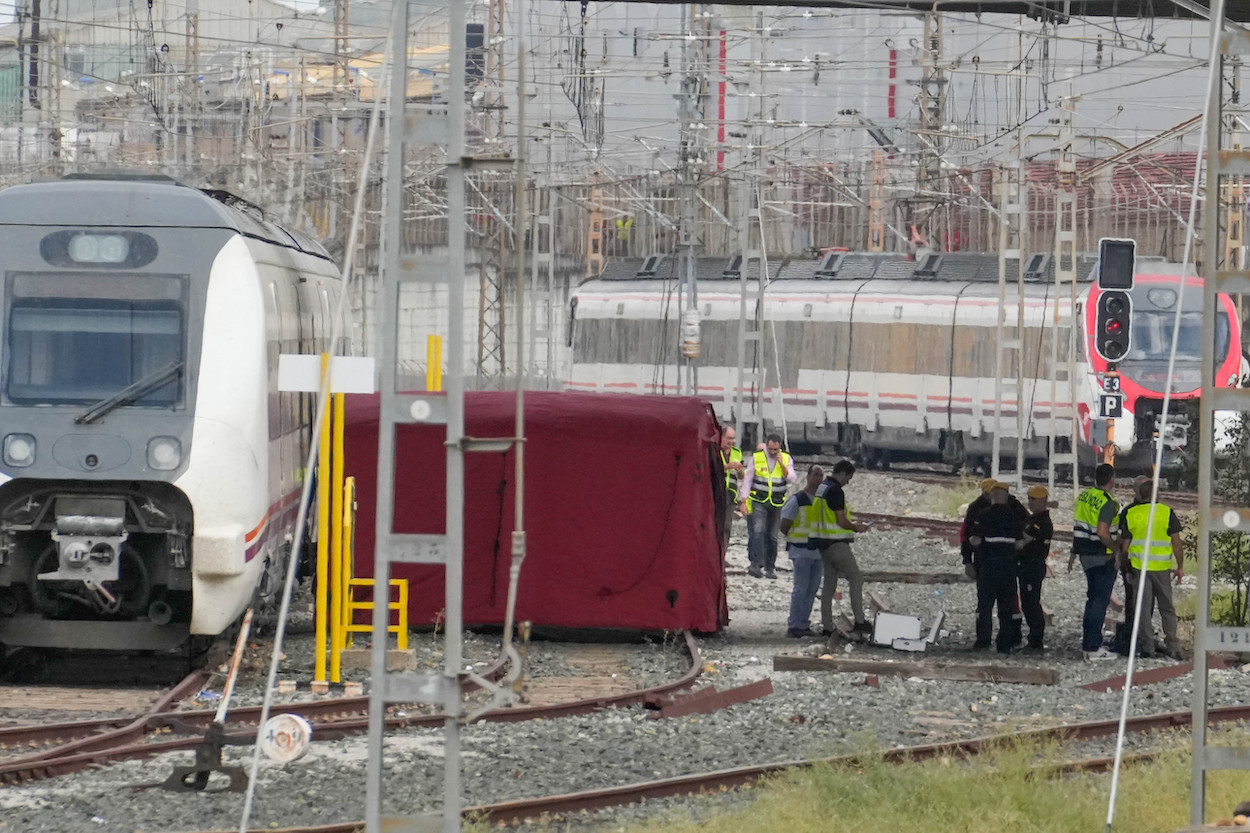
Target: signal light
1112,331
1117,263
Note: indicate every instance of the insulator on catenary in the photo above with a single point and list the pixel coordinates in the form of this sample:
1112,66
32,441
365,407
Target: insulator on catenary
690,333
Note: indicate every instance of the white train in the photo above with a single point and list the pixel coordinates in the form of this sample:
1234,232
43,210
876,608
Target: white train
150,470
887,358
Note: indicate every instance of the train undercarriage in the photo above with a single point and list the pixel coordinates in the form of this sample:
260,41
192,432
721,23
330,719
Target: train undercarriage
94,564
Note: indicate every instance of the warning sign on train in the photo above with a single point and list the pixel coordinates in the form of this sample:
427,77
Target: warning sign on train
1110,405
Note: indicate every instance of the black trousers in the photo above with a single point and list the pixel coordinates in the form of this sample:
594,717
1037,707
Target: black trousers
1031,571
996,585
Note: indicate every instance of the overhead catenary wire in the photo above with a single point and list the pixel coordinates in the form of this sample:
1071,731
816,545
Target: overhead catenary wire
1214,63
323,401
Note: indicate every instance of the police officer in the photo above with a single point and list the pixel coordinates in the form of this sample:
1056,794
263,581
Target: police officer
993,536
1153,537
1092,516
731,459
1034,549
768,474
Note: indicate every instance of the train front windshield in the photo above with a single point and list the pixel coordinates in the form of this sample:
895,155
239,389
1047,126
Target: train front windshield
1151,348
73,341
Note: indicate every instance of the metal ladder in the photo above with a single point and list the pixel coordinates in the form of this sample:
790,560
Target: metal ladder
542,372
1226,170
440,125
1063,323
1010,247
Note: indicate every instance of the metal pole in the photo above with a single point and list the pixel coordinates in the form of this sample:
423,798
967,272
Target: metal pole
387,354
455,420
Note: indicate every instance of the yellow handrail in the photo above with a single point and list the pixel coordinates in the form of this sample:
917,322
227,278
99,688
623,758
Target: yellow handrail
346,607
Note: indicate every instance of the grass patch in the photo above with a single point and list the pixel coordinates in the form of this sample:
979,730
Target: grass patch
1222,604
1007,788
948,501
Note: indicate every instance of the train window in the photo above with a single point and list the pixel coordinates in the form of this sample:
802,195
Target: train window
70,346
114,250
1152,336
75,351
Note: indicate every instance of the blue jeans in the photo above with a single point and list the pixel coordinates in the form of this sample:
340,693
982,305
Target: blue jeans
808,571
1099,583
762,536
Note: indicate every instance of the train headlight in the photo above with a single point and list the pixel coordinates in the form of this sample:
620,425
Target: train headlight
98,248
19,450
164,453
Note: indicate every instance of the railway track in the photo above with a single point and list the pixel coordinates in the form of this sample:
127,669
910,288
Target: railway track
517,811
1179,499
86,744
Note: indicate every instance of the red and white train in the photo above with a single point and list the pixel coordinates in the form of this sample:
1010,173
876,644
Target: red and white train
889,358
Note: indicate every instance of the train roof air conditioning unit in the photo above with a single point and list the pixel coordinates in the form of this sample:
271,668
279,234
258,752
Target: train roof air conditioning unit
830,264
1037,266
927,267
650,266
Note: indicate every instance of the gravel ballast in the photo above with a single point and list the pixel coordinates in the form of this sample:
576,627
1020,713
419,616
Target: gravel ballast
808,715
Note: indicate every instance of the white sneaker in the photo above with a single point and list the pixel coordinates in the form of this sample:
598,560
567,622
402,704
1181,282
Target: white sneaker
1100,655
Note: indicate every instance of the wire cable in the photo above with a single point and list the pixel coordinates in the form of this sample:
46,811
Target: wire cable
323,400
1212,73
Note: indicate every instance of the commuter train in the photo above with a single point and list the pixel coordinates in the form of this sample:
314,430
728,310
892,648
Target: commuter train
888,358
150,469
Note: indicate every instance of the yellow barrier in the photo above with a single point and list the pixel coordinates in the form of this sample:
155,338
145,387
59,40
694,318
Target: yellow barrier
346,605
400,605
433,362
323,534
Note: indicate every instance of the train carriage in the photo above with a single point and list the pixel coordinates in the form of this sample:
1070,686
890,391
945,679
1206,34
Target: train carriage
886,357
150,468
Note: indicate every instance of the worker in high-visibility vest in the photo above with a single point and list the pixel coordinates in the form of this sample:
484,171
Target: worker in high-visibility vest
798,524
768,475
624,226
1152,538
1093,514
834,534
731,459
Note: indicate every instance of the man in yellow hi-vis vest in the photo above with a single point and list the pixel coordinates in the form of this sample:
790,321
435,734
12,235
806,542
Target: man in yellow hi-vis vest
767,477
1152,538
731,459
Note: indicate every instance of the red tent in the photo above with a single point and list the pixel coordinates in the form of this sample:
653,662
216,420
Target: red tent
622,495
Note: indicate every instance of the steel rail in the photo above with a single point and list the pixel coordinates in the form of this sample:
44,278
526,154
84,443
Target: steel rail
87,734
119,745
519,810
117,728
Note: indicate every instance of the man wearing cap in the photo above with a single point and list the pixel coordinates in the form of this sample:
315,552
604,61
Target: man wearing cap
1092,515
1034,549
1153,537
974,509
993,536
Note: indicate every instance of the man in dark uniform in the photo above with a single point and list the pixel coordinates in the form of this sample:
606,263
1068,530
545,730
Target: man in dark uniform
993,536
1034,550
970,515
974,509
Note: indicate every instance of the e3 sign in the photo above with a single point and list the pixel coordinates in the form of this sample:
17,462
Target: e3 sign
1113,318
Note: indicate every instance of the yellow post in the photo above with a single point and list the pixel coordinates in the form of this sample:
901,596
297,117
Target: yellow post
336,538
433,362
345,579
323,534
